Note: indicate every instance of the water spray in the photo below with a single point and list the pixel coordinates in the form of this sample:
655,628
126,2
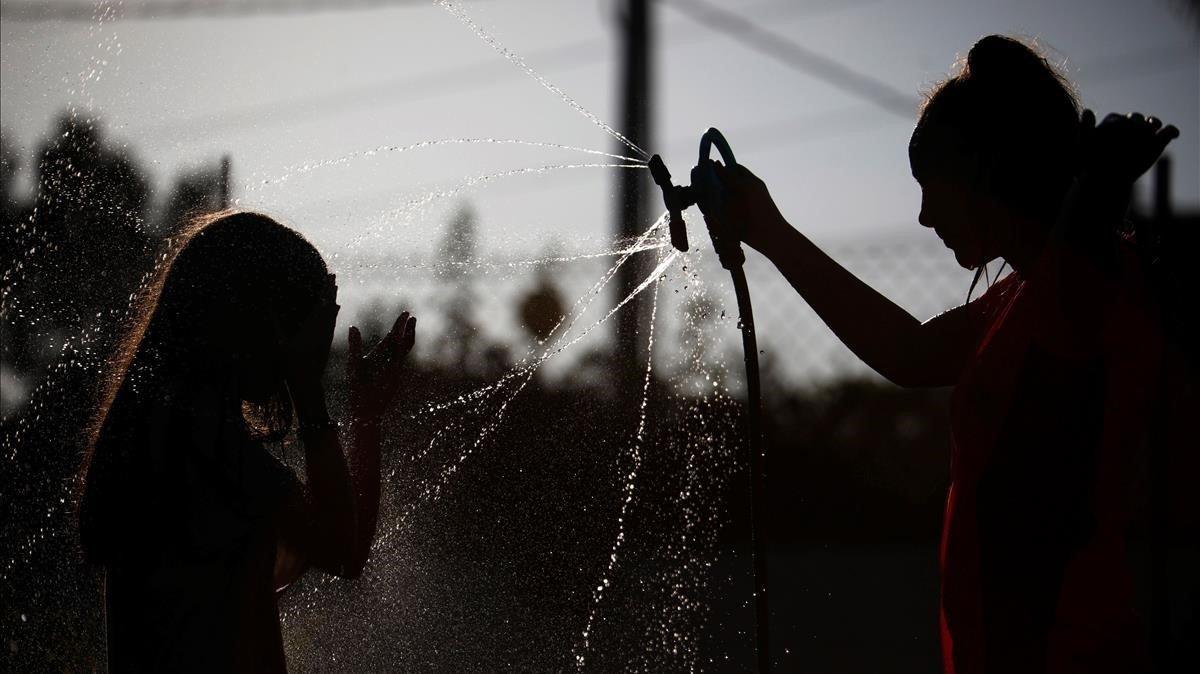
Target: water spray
706,192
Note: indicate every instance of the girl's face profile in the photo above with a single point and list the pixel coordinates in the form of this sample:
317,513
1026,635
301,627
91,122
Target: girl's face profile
962,216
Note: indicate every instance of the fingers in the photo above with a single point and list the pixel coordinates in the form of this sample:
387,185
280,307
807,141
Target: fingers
737,177
353,349
409,337
721,171
393,336
402,338
1164,136
1113,118
400,348
383,351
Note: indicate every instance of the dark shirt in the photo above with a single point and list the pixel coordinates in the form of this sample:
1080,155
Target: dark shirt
195,507
1049,419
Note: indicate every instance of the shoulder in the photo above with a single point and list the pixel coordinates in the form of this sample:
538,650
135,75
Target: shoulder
988,307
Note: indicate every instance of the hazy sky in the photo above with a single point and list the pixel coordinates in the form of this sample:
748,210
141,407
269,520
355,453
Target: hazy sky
278,90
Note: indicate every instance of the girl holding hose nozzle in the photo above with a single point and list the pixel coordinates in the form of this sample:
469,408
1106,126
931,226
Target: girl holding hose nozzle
1055,367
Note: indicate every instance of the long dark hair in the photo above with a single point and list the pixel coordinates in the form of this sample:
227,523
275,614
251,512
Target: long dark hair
224,291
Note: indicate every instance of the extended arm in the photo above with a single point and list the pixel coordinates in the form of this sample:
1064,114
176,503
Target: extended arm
364,471
331,524
885,336
374,380
328,524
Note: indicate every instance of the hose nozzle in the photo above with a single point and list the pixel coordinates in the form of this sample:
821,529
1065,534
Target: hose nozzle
676,198
707,192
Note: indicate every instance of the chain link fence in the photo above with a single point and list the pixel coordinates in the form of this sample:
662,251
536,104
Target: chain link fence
500,292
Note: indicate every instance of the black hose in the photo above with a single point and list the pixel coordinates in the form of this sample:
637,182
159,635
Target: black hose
757,466
706,192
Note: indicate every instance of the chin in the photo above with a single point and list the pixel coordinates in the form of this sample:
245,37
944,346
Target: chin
969,260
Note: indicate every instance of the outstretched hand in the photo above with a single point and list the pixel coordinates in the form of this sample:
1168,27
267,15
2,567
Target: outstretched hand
376,377
1119,149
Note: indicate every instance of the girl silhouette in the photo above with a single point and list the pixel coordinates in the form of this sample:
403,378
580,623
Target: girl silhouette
196,525
1054,366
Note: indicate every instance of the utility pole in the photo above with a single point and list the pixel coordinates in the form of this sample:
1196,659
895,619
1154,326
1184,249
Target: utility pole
226,169
632,214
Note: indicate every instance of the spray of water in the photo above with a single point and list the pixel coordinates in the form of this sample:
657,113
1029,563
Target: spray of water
520,376
630,478
502,264
516,60
388,221
476,416
562,329
256,184
425,199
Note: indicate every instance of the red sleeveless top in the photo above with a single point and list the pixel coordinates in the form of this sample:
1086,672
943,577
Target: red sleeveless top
1047,421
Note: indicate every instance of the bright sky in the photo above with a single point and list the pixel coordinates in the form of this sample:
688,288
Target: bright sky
277,90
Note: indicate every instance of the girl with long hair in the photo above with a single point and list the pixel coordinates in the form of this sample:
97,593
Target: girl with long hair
195,524
1054,367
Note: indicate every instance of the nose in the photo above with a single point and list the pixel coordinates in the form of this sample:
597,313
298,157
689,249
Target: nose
923,215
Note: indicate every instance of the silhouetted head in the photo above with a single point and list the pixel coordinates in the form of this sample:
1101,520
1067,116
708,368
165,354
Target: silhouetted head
207,336
994,150
235,290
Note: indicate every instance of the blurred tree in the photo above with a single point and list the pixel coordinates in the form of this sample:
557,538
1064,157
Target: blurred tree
456,266
16,345
9,163
14,212
91,207
542,306
81,250
200,190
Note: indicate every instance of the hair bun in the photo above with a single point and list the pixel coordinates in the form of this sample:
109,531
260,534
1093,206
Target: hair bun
1009,109
1001,58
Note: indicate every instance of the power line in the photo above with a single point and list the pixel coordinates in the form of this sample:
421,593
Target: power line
403,90
179,9
437,83
574,54
800,58
853,119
